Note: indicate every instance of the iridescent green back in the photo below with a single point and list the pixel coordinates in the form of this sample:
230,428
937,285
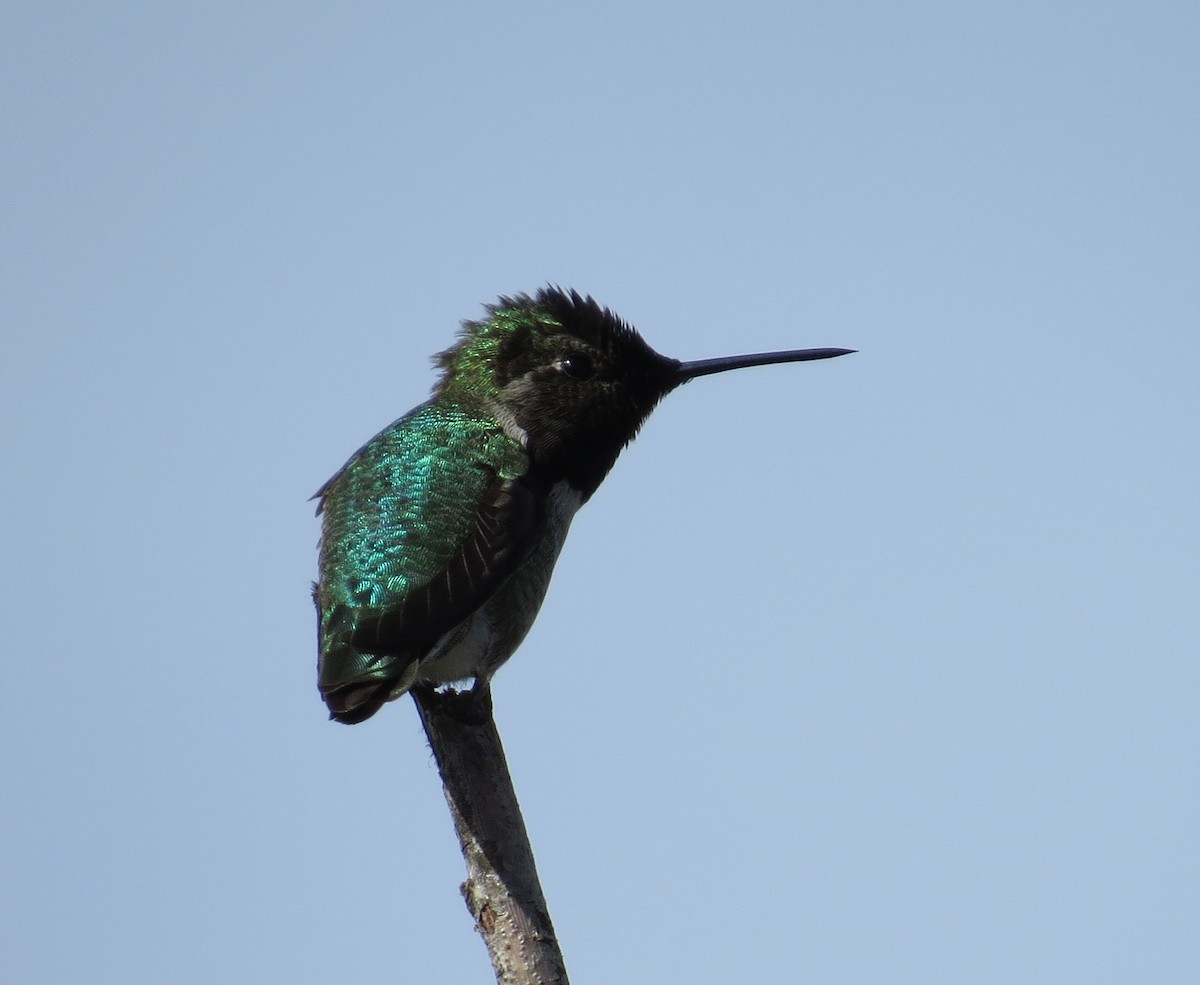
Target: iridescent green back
394,516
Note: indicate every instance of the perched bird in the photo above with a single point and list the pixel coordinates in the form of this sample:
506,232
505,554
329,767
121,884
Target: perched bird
440,534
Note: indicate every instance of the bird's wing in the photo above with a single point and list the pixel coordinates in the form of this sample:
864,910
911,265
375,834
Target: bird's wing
421,527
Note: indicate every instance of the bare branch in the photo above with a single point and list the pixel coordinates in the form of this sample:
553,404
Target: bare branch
502,889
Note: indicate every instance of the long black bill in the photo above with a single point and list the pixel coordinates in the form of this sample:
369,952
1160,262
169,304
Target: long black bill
705,367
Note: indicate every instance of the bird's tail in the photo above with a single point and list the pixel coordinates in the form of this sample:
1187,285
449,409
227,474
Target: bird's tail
355,685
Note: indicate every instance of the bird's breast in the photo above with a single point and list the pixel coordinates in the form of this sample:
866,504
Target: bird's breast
483,641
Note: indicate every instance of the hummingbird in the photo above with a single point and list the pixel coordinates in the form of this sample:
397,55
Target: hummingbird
440,534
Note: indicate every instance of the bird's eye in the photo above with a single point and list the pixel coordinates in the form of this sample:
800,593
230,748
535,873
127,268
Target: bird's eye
577,365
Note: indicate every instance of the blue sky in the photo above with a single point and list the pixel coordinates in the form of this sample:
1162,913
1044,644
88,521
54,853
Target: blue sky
879,669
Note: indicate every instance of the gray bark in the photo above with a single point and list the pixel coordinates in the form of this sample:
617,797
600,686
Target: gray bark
502,889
